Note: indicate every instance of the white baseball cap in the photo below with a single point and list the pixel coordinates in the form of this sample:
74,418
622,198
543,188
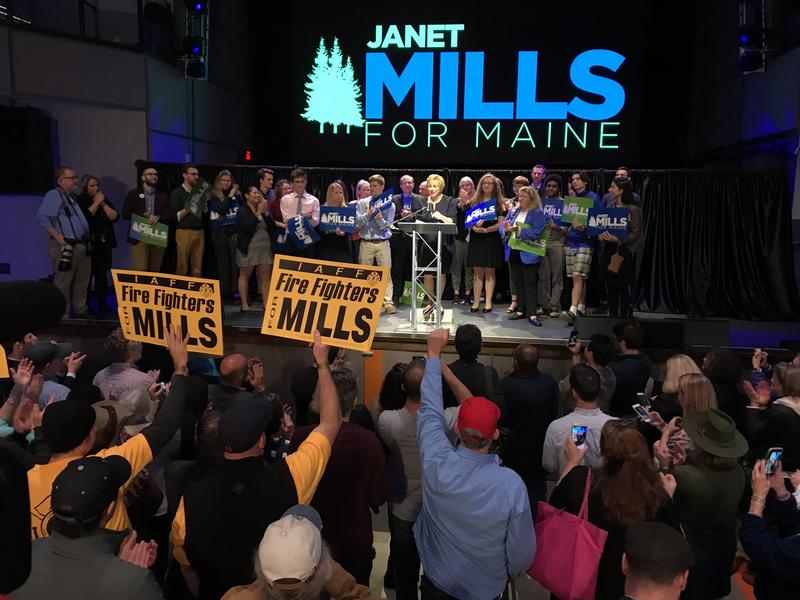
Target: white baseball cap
291,547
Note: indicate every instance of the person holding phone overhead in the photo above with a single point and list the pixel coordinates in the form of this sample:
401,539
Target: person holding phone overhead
485,251
224,201
255,230
774,556
101,215
438,209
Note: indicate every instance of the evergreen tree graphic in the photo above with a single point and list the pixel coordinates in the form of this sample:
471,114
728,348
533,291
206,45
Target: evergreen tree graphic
332,93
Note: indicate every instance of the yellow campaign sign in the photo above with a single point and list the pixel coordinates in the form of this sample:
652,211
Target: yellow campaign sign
149,301
3,364
342,300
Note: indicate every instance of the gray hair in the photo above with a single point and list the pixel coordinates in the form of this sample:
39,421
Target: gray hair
138,402
311,588
346,382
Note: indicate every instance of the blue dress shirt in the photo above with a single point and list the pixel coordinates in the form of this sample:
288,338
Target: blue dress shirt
60,211
475,529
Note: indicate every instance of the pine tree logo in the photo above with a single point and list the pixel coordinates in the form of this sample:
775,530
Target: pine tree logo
332,93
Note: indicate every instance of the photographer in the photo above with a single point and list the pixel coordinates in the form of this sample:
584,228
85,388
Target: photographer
65,223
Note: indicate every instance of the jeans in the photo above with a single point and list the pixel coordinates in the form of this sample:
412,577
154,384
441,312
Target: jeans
405,557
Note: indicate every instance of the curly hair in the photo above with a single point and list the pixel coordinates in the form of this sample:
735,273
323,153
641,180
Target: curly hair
118,348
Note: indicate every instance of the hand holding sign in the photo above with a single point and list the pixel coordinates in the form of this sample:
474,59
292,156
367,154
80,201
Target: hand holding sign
318,349
176,344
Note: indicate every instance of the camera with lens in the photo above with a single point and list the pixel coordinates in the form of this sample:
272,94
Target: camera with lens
65,261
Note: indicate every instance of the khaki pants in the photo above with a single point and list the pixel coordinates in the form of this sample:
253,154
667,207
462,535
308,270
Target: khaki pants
73,284
381,254
190,244
147,257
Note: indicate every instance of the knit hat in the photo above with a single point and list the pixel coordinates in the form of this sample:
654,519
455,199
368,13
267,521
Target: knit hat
66,424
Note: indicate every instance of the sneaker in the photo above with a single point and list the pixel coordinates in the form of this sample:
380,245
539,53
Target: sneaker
540,312
581,313
554,312
390,309
461,300
568,316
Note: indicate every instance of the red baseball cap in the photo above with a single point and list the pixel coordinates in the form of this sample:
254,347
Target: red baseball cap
480,414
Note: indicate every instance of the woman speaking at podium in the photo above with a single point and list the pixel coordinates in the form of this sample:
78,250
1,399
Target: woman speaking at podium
437,209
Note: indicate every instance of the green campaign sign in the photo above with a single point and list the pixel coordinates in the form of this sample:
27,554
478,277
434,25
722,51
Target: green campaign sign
578,208
155,234
537,246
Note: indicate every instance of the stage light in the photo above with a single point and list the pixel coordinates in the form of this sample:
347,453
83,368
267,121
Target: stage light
247,155
196,6
193,45
743,39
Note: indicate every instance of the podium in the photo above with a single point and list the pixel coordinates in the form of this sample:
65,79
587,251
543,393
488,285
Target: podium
419,229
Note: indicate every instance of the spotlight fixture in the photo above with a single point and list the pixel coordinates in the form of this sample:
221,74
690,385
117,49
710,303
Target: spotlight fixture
197,7
193,45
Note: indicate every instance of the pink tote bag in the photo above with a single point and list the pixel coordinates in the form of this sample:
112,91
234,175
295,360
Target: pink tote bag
568,550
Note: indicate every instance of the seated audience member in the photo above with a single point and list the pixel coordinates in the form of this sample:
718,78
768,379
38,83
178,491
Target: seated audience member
122,374
598,354
725,371
397,428
632,369
148,202
710,486
69,429
695,394
777,424
625,489
354,483
237,373
656,562
304,382
15,352
480,379
774,555
48,360
531,398
585,385
292,561
475,529
221,519
82,558
667,403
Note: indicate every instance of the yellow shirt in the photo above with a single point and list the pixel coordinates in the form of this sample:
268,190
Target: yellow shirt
306,465
136,451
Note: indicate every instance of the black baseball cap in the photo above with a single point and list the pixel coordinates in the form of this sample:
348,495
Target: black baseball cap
66,424
659,544
42,353
243,422
86,486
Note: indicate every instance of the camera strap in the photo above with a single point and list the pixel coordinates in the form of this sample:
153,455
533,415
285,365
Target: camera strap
67,212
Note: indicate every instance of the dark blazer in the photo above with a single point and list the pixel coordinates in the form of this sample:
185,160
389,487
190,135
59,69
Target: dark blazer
134,205
246,224
448,206
416,199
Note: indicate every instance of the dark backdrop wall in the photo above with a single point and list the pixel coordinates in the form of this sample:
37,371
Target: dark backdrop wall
715,243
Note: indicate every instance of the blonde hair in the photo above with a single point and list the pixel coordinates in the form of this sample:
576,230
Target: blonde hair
677,366
437,178
521,180
478,196
377,179
696,393
536,201
329,193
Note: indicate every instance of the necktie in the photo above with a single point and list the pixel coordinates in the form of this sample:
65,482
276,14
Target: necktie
299,204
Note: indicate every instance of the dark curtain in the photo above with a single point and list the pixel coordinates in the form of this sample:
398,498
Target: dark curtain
715,243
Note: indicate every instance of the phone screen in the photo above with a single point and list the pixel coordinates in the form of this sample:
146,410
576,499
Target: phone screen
773,456
642,413
643,400
579,435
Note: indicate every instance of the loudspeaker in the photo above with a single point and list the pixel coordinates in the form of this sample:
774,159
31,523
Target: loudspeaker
664,334
26,154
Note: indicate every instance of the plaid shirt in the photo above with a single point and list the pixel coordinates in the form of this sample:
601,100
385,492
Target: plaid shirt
118,378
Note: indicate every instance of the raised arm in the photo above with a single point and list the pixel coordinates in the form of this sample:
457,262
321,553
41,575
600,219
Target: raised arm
460,391
431,436
169,417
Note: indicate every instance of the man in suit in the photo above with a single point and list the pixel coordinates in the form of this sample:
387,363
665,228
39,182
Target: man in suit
146,201
400,242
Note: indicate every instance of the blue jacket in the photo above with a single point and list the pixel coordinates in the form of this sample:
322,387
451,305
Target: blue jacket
535,222
775,556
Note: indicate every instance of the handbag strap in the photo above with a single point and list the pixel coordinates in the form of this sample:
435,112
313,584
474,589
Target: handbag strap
583,513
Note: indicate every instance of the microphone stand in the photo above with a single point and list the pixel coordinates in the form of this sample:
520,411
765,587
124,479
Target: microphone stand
413,214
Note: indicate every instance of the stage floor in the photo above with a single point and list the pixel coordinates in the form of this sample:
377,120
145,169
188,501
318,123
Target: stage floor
495,326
